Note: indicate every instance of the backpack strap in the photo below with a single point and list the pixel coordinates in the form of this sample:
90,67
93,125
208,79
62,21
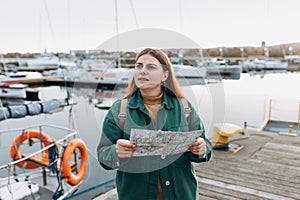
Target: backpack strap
187,110
122,114
123,106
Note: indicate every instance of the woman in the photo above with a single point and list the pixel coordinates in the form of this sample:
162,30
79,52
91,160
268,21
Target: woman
154,102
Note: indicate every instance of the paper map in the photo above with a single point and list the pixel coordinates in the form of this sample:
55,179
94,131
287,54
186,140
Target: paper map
157,142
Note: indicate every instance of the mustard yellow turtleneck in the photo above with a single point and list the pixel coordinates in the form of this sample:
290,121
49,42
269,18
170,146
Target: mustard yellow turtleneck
152,104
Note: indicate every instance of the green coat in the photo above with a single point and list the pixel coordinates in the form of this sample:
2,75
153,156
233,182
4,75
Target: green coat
137,177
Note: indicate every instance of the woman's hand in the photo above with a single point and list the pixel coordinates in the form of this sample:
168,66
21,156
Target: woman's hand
124,148
198,147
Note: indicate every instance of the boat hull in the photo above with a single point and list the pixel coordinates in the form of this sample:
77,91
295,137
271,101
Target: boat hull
15,91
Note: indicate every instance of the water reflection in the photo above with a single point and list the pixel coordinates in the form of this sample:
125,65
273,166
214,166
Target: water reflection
232,101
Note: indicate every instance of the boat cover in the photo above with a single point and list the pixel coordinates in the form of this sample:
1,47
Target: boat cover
19,111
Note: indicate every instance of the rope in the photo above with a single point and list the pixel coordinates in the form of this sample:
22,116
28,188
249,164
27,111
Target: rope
66,85
3,111
49,20
134,14
52,156
91,188
70,117
2,107
40,137
31,193
59,190
8,180
68,97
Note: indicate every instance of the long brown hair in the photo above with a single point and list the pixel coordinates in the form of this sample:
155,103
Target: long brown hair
170,86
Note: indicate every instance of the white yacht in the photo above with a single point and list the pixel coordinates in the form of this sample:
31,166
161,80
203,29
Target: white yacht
260,64
121,76
13,90
217,68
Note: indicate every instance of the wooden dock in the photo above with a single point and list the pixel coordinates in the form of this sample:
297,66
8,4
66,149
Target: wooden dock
267,167
59,81
85,84
35,69
32,81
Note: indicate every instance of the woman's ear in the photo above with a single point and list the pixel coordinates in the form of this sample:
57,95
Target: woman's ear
165,76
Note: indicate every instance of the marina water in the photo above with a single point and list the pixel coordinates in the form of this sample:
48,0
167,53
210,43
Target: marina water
229,101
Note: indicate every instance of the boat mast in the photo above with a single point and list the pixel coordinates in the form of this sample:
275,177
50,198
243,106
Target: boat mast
3,63
117,30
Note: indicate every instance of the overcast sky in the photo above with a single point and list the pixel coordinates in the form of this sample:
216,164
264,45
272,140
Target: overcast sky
63,25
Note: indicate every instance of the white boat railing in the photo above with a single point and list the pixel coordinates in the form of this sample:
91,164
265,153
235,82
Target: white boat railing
62,140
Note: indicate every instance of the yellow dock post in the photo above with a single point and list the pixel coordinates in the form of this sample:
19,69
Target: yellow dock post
245,125
290,131
299,116
270,110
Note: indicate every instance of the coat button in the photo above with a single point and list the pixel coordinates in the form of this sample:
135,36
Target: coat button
167,183
163,156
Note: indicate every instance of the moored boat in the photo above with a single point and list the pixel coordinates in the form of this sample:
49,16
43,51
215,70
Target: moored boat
189,75
13,90
42,167
261,64
40,161
217,68
186,74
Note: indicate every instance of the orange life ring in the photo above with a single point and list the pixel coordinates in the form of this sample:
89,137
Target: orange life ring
74,179
15,146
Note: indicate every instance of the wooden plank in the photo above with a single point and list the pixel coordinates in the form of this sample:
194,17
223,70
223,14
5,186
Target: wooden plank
251,145
251,180
269,177
258,168
283,147
252,166
242,189
285,139
36,69
253,162
31,80
276,159
216,193
260,178
203,197
279,154
40,158
266,185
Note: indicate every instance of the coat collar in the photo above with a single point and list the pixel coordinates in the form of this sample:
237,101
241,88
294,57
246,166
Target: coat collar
135,101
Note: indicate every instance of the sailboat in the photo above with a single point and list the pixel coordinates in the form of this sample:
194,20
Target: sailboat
41,161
